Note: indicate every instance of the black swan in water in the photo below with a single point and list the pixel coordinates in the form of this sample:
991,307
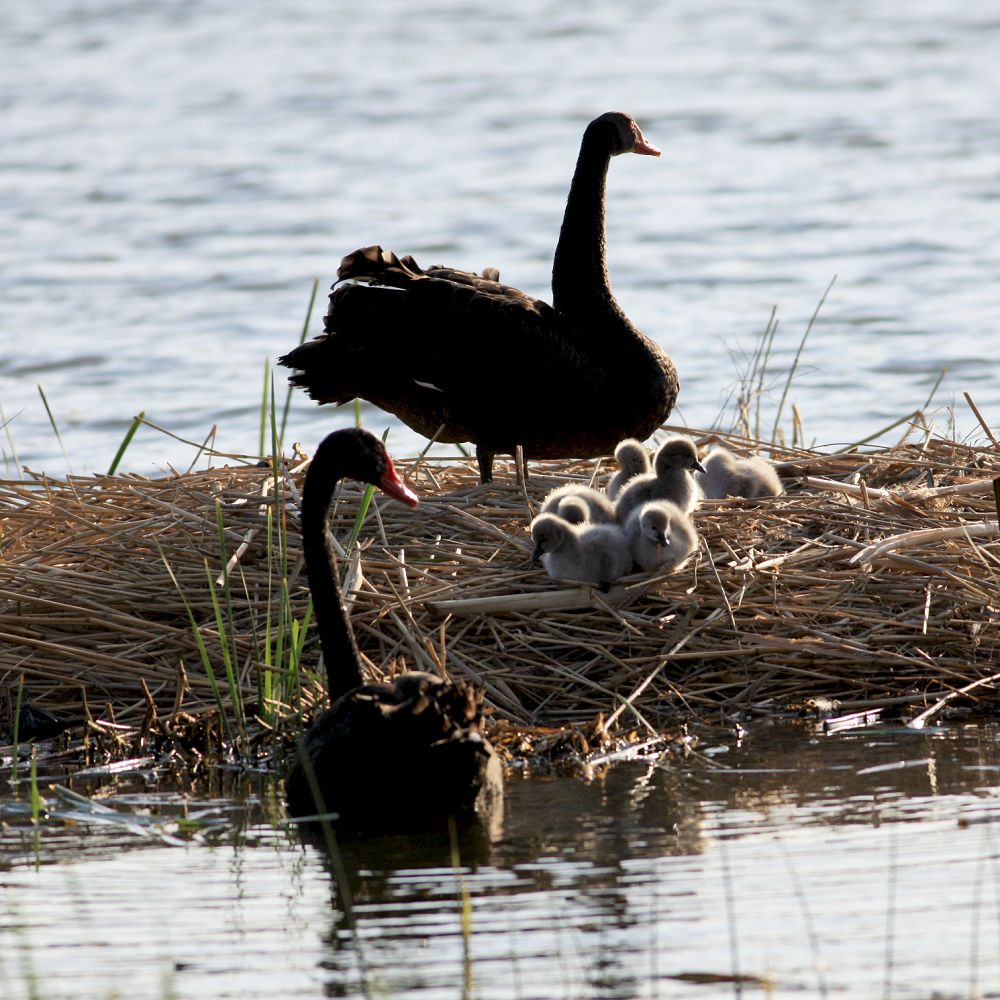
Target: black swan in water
384,753
460,357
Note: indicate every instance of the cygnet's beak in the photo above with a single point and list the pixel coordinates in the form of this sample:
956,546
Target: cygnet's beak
700,468
538,553
661,539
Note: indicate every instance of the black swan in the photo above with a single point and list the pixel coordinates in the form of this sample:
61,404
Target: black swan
390,753
727,475
590,553
660,536
460,357
672,478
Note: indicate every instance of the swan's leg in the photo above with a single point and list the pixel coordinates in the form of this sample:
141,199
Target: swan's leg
485,459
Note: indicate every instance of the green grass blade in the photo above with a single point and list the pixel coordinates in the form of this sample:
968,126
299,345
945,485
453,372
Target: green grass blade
126,441
36,798
466,912
206,660
366,500
302,337
230,653
266,406
798,355
36,810
5,424
55,428
17,733
265,677
227,658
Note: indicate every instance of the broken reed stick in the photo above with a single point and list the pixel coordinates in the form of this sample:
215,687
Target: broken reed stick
553,600
982,422
922,537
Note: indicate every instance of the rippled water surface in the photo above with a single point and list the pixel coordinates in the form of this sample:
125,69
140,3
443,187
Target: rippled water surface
174,176
784,864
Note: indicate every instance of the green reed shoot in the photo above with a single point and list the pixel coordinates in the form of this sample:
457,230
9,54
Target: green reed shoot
126,441
230,652
36,798
17,733
36,810
359,521
55,428
274,633
266,405
302,337
761,359
366,500
206,660
466,913
798,355
287,630
5,424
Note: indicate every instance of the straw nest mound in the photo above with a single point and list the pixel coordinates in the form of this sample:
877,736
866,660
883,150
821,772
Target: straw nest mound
872,583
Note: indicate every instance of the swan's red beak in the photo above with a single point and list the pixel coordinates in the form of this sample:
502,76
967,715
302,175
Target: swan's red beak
641,146
394,487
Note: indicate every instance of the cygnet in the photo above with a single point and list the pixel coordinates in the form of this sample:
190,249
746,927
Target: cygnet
632,459
574,509
671,479
660,536
590,553
727,475
600,509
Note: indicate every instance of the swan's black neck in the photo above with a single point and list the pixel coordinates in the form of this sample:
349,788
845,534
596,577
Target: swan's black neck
340,651
581,291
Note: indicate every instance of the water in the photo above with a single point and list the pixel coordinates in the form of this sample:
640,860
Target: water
788,863
172,179
174,176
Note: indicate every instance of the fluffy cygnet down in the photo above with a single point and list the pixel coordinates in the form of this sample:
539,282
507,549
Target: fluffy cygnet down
600,509
590,553
671,479
633,460
728,475
574,509
660,536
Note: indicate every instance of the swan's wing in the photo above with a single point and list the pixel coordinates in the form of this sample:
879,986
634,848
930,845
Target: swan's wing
375,266
436,346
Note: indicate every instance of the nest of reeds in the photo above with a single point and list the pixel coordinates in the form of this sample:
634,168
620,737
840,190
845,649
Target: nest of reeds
873,582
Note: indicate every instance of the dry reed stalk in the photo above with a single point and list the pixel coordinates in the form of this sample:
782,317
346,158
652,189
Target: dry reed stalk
863,585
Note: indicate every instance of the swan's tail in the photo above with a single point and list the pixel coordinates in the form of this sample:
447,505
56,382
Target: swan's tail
357,348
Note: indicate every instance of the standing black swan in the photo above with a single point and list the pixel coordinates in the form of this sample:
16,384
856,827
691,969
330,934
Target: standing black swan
385,753
460,357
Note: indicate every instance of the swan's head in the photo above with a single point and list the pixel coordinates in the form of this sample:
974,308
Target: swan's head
654,523
550,533
677,453
573,509
355,453
632,457
619,133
